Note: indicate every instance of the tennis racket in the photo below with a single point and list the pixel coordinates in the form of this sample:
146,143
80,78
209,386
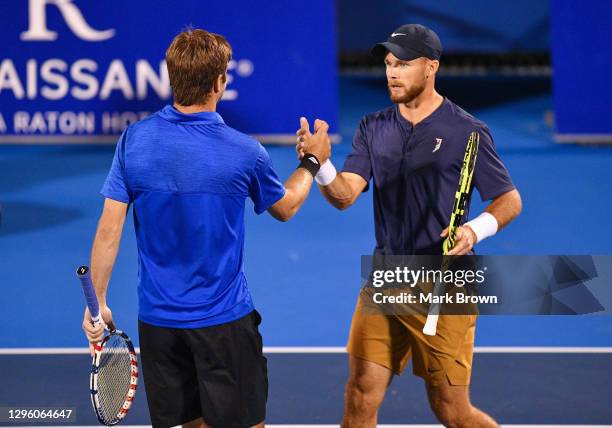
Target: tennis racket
459,206
114,371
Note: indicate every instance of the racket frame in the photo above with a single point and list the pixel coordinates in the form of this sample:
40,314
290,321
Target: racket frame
84,276
459,207
93,379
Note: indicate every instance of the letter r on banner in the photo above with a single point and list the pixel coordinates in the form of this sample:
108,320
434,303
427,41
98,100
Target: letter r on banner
37,26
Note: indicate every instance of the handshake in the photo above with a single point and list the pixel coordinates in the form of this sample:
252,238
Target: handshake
318,144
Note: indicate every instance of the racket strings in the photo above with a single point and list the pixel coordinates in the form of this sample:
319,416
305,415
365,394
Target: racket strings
114,377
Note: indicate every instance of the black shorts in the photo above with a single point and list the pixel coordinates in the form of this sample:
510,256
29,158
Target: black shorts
217,372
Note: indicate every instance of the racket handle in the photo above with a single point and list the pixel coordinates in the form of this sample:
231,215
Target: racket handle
431,325
90,294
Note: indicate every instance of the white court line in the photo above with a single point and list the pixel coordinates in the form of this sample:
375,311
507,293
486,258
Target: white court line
542,350
342,350
336,426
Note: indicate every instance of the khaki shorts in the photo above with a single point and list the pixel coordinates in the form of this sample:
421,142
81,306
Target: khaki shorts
391,340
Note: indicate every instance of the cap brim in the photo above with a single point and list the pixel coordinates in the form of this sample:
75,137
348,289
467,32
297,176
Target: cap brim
405,54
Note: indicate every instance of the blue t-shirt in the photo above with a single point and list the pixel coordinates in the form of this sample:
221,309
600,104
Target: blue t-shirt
187,176
415,172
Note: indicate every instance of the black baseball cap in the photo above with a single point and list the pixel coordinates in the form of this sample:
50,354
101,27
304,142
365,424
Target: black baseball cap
410,41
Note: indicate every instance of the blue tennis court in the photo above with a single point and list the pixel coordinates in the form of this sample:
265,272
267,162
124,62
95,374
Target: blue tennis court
304,276
74,74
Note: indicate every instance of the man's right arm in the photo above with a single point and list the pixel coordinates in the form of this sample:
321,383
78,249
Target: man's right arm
344,190
299,183
297,188
340,189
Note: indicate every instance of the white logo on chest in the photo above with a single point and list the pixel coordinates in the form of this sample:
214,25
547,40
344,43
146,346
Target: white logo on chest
438,144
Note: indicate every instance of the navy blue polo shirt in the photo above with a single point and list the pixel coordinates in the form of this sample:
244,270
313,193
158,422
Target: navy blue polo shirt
188,176
415,172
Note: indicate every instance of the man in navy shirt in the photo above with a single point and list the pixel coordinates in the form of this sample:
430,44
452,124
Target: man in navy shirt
187,175
413,152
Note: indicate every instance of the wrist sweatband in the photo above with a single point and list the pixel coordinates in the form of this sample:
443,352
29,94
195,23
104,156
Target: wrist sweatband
310,163
484,225
326,174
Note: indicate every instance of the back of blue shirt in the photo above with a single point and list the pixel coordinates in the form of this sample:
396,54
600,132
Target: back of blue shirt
188,176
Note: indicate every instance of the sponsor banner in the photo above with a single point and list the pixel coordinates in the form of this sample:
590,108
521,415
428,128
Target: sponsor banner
582,59
81,71
487,285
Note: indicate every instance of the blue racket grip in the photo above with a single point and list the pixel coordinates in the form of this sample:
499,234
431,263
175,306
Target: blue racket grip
90,294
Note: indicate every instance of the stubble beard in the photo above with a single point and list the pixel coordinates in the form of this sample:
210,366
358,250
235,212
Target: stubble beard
411,93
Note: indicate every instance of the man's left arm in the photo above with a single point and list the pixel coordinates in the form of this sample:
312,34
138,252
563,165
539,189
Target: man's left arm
505,208
498,214
493,182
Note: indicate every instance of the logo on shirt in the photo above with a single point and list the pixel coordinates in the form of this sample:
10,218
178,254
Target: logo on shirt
438,144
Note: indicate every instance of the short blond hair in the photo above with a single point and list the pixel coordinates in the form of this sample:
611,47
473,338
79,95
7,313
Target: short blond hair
195,59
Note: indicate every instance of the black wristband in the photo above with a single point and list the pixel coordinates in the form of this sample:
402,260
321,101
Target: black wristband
310,163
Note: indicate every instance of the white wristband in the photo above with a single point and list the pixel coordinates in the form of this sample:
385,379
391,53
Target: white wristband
484,225
327,173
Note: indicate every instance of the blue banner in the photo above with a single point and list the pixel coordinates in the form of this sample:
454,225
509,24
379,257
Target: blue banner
464,26
582,59
80,71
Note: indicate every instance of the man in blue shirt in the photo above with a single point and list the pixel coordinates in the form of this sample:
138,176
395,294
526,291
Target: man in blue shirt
187,175
413,152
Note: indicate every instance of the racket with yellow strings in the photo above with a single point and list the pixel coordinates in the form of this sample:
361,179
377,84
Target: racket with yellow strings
459,208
